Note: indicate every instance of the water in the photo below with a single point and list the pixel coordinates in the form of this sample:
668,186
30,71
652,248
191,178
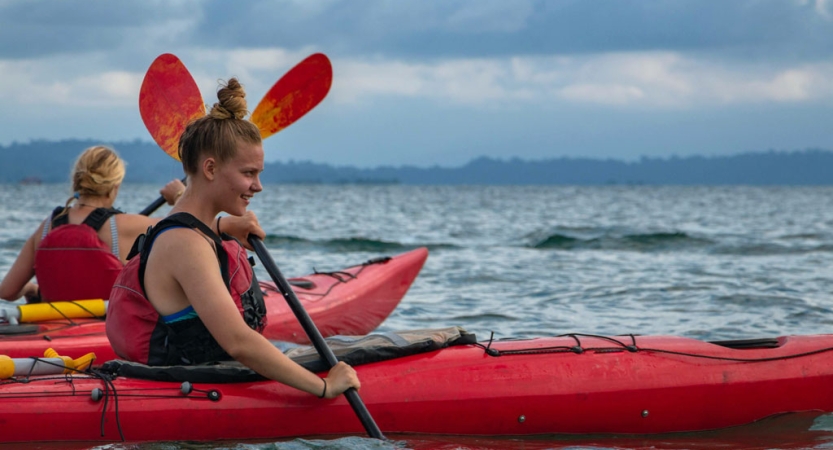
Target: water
703,262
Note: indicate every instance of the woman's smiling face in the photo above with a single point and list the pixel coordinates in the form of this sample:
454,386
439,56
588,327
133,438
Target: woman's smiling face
239,178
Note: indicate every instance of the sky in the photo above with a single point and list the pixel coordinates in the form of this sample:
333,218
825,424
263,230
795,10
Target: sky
429,82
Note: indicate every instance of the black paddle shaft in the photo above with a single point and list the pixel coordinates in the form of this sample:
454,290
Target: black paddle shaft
155,205
314,335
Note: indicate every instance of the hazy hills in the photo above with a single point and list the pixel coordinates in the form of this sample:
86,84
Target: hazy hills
50,161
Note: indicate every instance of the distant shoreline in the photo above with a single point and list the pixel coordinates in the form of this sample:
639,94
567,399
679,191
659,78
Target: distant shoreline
49,162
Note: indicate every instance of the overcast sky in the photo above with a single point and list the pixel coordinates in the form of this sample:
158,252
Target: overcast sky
442,82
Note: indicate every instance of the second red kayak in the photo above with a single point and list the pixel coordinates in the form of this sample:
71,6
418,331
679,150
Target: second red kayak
353,301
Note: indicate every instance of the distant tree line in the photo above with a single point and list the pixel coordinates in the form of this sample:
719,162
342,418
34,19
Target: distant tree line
50,161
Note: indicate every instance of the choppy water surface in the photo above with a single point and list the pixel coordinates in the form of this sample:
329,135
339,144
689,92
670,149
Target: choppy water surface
703,262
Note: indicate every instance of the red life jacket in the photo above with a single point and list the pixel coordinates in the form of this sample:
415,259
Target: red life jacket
72,262
137,331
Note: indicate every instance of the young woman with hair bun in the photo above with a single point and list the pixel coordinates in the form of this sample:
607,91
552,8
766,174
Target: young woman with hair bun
171,305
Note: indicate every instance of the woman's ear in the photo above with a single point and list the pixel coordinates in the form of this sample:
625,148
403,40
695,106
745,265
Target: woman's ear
209,168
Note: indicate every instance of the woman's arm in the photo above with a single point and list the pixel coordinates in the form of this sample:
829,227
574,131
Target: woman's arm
17,282
191,263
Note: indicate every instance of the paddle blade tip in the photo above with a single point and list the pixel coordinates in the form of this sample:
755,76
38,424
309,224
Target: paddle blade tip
296,93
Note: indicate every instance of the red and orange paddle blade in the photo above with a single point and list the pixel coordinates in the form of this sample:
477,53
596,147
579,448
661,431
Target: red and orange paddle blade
295,94
168,101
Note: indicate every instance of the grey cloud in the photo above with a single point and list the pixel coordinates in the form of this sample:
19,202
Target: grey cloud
471,28
39,28
416,29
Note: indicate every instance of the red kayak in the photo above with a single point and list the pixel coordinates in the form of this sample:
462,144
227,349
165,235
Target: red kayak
572,384
354,300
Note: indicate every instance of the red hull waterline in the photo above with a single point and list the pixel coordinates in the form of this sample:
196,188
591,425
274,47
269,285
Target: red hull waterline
352,301
670,384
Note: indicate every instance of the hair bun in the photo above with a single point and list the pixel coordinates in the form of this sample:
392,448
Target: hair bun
212,135
97,171
232,101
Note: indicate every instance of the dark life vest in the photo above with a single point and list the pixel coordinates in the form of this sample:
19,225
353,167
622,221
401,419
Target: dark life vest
137,331
72,262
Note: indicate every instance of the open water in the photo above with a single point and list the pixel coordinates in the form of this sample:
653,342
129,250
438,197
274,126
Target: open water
703,262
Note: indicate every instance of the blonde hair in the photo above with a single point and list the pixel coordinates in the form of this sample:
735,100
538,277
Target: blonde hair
96,172
220,132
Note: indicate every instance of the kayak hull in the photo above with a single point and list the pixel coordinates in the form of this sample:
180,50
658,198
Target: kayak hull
352,301
670,384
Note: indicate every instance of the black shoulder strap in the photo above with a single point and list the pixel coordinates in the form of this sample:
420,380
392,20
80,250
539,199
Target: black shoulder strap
57,218
95,219
144,242
99,216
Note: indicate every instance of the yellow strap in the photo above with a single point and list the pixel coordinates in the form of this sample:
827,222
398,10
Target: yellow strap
78,309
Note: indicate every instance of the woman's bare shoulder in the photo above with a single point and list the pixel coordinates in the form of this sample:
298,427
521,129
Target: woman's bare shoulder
132,225
180,240
187,256
135,219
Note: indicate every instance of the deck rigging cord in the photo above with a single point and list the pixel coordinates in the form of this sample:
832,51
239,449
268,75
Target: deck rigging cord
338,275
620,346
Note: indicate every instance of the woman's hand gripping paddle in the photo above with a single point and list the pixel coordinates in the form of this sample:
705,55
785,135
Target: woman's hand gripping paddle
295,94
314,335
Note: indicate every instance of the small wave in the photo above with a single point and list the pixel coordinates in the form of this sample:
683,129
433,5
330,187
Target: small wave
352,244
656,238
660,241
482,317
770,249
358,244
284,240
761,301
560,241
804,236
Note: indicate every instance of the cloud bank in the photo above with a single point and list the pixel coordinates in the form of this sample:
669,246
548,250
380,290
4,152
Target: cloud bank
459,59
